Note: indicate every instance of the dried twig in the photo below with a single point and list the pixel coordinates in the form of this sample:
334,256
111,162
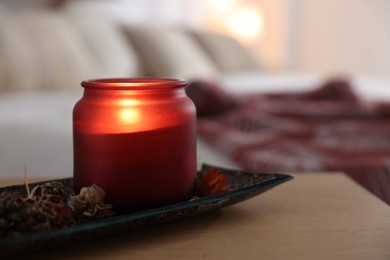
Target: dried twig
26,181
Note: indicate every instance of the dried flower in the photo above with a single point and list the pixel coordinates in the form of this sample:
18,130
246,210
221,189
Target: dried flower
45,208
213,182
48,206
90,202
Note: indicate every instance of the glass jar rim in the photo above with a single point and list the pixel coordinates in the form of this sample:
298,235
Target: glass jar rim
133,83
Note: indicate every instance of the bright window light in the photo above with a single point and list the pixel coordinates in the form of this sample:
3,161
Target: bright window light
245,23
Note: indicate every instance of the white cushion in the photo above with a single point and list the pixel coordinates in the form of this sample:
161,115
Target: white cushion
19,63
169,52
227,53
110,48
48,46
57,50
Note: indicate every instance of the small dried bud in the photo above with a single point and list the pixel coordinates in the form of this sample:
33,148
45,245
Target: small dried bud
93,194
90,202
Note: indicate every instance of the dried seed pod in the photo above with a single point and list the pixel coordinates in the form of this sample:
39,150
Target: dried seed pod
89,203
49,188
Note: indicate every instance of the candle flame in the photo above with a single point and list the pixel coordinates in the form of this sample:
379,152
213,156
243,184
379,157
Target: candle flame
129,116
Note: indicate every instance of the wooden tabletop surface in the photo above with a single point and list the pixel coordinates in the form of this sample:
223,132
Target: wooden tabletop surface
318,216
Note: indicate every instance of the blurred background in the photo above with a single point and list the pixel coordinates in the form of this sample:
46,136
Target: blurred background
47,47
344,36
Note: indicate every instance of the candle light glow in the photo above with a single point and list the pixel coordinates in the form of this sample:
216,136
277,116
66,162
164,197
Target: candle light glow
129,116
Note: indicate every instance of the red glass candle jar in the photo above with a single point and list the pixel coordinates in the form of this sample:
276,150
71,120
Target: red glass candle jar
136,138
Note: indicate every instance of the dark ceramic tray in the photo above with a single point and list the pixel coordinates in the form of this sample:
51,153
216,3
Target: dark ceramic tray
242,186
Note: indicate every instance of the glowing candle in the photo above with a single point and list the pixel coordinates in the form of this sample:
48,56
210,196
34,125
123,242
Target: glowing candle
136,138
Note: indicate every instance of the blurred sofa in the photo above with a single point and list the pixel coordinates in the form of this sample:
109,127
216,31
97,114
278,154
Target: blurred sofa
56,50
44,55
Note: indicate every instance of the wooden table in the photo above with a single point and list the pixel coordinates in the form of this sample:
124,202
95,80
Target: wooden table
319,216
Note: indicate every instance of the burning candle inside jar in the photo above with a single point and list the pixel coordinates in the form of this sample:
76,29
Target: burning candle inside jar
135,138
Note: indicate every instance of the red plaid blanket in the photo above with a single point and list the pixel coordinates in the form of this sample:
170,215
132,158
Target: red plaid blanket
328,129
